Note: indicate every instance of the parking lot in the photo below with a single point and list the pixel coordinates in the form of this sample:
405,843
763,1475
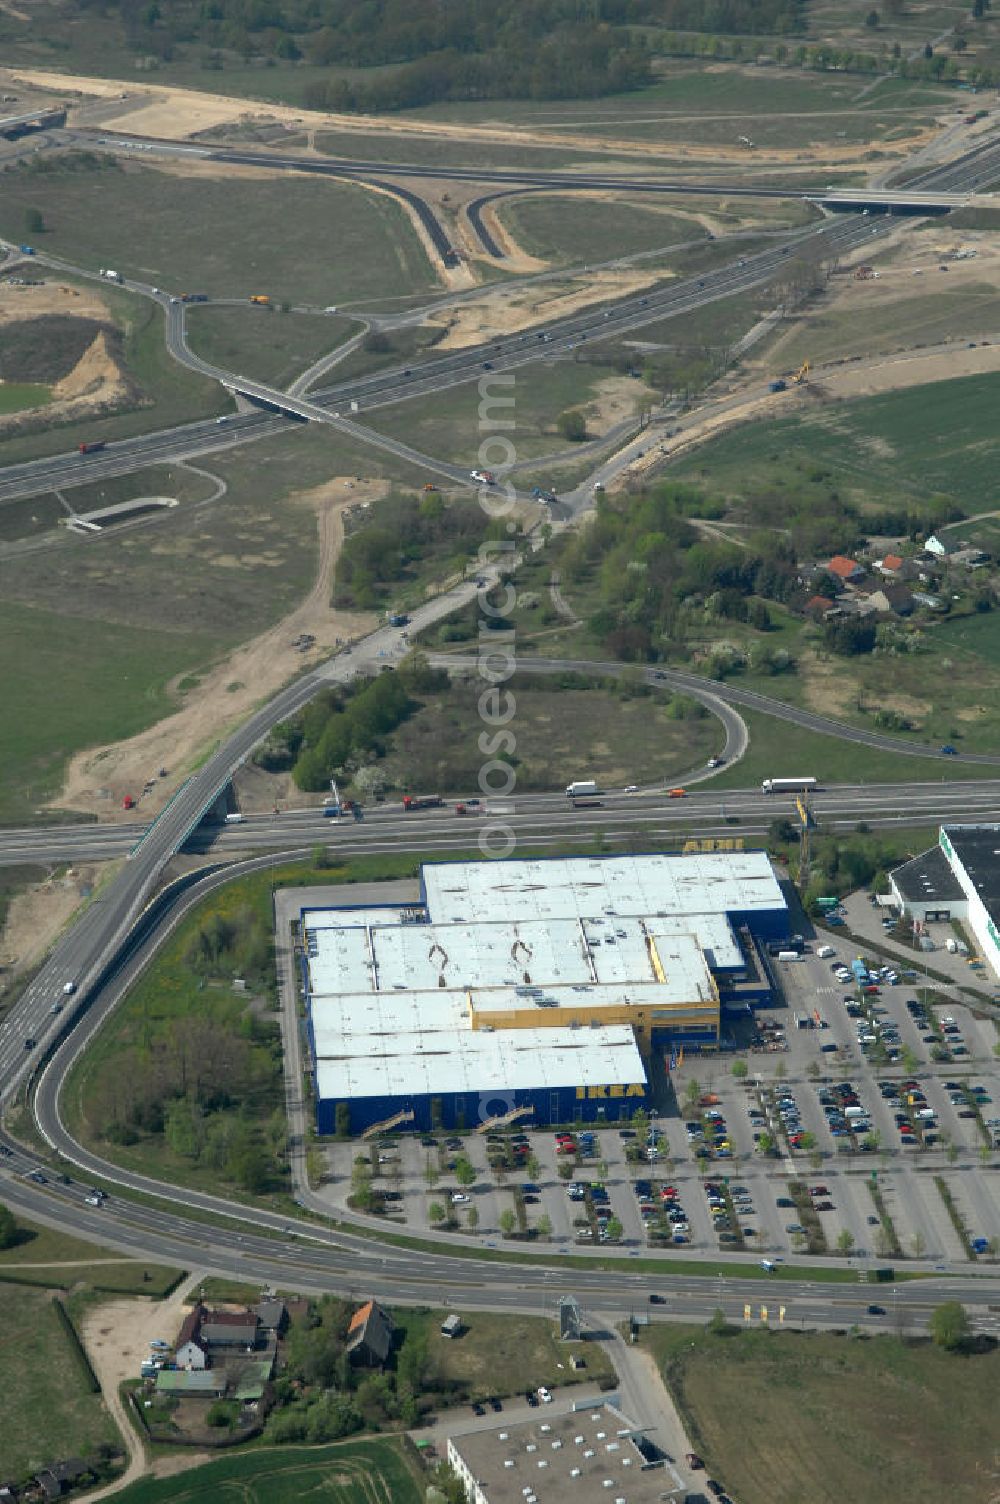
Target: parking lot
862,1122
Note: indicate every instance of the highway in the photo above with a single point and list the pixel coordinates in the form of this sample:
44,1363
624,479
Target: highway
537,819
434,374
106,948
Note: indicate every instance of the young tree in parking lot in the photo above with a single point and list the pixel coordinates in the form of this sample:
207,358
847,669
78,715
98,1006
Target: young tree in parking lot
431,1173
909,1060
951,1153
544,1225
815,1159
808,1142
465,1172
472,1219
812,1070
435,1212
740,1070
845,1240
918,1245
765,1144
508,1221
565,1171
602,1169
949,1326
533,1167
640,1122
615,1230
691,1094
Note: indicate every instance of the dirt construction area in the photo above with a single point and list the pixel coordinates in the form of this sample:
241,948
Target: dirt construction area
96,382
178,114
226,694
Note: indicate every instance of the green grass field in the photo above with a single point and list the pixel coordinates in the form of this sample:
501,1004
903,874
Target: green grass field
939,439
783,1417
560,228
49,1409
270,346
448,425
16,396
779,749
302,240
503,1354
68,685
869,328
356,1472
47,1256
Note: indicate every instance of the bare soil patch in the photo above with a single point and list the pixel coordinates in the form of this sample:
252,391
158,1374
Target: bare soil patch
514,308
116,1335
19,303
229,690
36,917
615,399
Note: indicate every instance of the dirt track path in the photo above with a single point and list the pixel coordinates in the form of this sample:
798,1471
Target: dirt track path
116,1335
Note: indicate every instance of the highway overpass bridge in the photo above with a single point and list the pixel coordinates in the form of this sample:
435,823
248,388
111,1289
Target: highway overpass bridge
45,119
900,201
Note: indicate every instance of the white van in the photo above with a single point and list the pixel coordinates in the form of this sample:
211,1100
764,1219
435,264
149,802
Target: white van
789,955
826,951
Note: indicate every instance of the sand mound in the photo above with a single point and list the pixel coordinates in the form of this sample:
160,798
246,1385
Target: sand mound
96,376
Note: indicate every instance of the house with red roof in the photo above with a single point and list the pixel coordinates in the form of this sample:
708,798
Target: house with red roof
846,570
369,1335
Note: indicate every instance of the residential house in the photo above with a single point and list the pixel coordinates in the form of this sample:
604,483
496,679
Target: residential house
55,1479
190,1351
891,564
940,547
894,599
932,602
848,571
229,1329
970,558
369,1336
272,1315
821,605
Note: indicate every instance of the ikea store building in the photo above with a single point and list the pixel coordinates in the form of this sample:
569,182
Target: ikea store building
536,989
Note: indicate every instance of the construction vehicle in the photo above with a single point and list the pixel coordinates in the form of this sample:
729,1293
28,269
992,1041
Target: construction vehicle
777,386
421,801
801,373
260,298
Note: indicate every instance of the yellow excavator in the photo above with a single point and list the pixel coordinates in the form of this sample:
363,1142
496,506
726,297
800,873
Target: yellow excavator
801,373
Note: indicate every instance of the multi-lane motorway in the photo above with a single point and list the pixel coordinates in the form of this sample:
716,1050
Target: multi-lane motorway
100,953
434,374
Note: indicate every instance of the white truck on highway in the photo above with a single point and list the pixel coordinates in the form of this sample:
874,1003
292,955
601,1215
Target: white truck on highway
789,785
581,788
109,275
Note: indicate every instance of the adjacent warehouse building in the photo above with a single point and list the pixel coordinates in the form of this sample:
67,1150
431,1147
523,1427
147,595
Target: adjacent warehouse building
537,989
959,878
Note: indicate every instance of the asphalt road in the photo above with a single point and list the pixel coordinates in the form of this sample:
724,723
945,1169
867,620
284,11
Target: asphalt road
435,374
538,819
100,958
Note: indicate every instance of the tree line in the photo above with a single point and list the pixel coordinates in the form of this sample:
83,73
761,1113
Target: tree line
342,730
400,533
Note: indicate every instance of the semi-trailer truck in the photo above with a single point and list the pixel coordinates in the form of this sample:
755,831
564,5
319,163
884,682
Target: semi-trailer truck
93,448
788,785
581,788
421,801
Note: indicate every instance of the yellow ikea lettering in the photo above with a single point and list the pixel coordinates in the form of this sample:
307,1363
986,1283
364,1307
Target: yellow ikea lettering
617,1090
635,1091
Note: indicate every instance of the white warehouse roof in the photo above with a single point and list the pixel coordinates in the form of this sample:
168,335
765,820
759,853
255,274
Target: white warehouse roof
570,887
420,1064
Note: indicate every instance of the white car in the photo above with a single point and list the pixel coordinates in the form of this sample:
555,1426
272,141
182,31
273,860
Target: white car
459,1199
544,1395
